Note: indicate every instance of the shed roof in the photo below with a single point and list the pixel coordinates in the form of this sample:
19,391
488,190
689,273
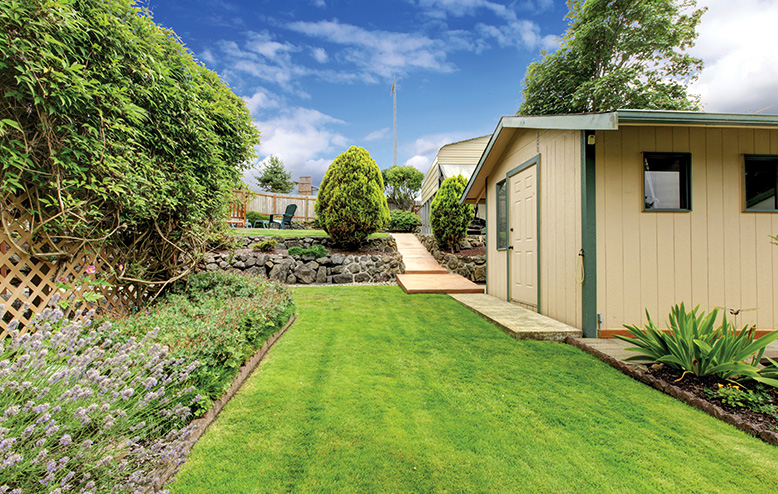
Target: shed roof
508,126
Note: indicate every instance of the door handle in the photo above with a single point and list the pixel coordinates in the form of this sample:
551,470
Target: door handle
510,247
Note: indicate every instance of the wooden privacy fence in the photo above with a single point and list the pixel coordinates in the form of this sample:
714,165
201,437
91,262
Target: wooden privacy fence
269,203
28,276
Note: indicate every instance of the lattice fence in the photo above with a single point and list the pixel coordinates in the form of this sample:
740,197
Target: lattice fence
31,267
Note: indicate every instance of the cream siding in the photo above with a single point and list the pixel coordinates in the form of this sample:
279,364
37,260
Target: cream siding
458,153
714,256
559,202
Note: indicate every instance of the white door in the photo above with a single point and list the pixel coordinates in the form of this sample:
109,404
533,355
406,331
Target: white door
523,237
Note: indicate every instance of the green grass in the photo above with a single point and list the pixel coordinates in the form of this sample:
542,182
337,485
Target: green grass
372,390
272,232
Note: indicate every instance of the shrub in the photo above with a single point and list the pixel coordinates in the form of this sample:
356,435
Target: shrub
84,410
113,132
449,219
403,221
265,245
316,251
220,319
253,216
696,346
351,204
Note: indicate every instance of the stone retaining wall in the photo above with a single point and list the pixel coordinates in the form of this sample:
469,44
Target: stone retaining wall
471,267
332,268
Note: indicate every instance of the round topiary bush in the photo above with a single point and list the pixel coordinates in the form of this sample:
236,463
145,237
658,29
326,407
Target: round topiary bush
449,218
351,203
403,221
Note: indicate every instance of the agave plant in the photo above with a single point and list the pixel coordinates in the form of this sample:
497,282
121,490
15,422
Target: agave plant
695,345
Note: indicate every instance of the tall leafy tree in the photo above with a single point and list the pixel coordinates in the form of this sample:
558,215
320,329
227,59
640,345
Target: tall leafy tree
274,177
402,183
618,54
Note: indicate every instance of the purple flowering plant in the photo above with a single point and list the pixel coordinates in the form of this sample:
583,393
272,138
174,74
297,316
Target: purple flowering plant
85,409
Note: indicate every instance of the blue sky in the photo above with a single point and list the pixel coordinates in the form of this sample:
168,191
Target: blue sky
317,74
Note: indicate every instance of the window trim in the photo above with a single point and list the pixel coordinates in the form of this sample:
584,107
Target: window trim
746,209
504,184
685,187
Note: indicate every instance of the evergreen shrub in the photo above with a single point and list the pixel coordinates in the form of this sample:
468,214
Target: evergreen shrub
403,221
449,219
351,204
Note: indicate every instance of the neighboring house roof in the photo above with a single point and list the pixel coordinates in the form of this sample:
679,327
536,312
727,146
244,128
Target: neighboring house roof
508,126
453,159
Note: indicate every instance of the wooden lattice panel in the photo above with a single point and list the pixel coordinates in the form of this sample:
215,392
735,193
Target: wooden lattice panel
28,276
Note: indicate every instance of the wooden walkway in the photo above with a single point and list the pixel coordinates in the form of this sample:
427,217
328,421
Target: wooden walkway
423,274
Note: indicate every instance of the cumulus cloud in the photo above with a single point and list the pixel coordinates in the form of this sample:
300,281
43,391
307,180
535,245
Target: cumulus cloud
319,54
377,52
737,42
261,101
300,136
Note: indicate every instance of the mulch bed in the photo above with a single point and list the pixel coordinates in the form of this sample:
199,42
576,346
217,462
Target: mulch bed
691,390
478,251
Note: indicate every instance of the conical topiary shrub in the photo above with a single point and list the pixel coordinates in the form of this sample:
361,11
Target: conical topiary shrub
449,218
351,203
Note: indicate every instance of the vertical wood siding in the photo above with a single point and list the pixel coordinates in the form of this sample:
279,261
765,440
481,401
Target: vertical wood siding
714,256
559,202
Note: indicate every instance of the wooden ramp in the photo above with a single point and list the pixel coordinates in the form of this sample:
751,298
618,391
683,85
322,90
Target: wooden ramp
423,274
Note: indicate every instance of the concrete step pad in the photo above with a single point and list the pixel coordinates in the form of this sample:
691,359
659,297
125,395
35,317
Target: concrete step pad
437,283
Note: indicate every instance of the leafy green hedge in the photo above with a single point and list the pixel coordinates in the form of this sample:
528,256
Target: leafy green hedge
403,221
219,319
111,130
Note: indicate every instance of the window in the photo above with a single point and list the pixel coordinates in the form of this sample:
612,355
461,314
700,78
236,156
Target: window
666,182
502,215
761,183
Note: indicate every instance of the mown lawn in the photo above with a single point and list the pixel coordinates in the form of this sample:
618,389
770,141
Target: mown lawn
372,390
272,232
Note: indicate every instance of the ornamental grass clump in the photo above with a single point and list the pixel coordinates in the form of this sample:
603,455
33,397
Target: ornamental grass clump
695,345
84,410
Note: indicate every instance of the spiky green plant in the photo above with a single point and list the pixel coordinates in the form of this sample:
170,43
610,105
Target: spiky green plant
695,345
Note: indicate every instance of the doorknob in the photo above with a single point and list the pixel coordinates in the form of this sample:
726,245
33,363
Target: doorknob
510,247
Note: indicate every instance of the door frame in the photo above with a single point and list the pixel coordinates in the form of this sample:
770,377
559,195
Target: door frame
535,160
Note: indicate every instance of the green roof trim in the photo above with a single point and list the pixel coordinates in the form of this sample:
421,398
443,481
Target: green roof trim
611,121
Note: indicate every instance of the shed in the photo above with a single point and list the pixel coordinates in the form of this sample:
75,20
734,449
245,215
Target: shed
595,218
457,158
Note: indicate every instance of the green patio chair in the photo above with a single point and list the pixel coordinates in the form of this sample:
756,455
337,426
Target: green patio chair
287,218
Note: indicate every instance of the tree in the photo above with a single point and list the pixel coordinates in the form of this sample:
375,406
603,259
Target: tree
448,217
111,132
402,183
274,177
351,204
618,54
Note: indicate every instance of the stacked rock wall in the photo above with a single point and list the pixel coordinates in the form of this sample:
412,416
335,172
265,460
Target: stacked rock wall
332,268
471,267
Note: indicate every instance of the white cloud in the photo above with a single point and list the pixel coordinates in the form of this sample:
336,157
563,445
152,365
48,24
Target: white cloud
319,3
261,101
737,41
300,136
519,33
320,55
461,8
381,53
377,134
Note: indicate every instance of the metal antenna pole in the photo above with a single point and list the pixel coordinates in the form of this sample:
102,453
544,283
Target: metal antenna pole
394,94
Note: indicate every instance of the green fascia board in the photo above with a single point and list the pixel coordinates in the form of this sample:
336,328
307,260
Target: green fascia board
611,121
666,117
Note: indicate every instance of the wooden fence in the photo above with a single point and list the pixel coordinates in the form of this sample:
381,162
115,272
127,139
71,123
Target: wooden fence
29,272
269,203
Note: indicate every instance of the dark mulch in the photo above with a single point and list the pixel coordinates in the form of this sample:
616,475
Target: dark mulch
478,251
698,385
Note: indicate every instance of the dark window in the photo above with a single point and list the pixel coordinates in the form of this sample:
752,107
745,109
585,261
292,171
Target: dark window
502,215
761,183
666,181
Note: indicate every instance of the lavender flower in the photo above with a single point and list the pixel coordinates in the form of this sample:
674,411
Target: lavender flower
65,440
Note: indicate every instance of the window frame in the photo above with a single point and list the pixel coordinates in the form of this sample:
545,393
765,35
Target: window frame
685,178
757,157
504,232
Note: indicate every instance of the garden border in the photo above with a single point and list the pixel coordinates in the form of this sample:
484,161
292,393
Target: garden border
201,424
676,392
